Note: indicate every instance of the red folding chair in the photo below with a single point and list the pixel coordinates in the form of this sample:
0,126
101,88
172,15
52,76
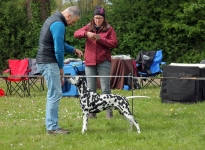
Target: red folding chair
16,80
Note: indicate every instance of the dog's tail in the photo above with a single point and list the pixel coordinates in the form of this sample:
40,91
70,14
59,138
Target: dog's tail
129,97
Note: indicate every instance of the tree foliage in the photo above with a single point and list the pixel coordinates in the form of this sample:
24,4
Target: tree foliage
12,31
175,26
19,35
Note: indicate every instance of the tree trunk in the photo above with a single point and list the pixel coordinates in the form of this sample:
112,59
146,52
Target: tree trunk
28,8
45,9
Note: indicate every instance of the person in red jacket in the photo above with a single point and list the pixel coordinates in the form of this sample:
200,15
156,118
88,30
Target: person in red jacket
100,40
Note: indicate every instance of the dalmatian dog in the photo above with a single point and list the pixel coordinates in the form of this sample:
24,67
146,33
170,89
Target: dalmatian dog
94,103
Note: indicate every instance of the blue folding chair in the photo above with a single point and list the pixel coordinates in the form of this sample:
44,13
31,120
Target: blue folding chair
149,65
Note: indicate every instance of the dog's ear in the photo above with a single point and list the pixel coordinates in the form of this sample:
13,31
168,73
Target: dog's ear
79,81
72,81
83,78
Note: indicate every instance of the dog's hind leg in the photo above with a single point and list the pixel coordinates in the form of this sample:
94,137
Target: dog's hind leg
85,121
132,121
127,113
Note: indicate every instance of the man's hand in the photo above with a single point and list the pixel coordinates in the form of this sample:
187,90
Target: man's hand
79,53
61,72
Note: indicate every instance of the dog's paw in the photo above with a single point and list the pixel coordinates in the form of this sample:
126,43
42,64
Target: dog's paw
83,131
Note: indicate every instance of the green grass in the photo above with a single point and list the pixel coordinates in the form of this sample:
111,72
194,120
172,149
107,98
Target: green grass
163,126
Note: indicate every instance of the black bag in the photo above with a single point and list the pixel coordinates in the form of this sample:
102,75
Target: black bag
136,84
78,72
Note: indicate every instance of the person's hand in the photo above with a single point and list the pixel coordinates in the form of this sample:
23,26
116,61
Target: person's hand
78,52
97,37
92,36
62,80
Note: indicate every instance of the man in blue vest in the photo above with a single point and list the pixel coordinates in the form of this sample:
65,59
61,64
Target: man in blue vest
50,61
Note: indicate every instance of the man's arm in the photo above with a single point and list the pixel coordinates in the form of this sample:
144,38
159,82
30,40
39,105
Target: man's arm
57,30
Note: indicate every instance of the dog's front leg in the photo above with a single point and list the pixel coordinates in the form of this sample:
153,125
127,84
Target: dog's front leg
85,121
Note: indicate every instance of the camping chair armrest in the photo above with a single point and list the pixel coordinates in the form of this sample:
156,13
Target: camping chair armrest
138,65
163,63
27,71
7,72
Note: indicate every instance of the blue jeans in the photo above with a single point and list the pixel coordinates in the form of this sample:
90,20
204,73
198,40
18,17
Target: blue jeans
51,73
102,69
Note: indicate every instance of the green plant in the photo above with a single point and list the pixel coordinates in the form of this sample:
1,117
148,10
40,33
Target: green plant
175,26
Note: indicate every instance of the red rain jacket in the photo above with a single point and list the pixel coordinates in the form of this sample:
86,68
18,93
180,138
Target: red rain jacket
98,51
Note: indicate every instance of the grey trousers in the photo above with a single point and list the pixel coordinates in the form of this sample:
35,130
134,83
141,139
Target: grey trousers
102,69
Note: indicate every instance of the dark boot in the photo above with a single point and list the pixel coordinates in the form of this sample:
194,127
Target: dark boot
92,115
109,113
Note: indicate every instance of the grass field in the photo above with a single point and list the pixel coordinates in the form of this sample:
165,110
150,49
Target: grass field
163,126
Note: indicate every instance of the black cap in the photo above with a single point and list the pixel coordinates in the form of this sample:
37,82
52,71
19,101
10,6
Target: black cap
99,11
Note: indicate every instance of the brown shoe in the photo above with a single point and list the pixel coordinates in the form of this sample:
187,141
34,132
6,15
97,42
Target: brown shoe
58,131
